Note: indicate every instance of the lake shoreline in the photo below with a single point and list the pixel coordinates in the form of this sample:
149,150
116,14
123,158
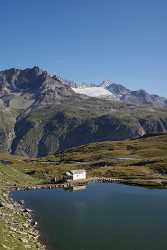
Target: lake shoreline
20,207
148,183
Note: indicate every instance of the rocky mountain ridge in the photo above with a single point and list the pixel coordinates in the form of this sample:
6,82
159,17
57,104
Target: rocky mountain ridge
41,114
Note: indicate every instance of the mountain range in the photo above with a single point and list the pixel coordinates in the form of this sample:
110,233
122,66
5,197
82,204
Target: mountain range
41,114
109,90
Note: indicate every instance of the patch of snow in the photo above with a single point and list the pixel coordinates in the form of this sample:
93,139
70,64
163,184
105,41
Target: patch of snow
94,92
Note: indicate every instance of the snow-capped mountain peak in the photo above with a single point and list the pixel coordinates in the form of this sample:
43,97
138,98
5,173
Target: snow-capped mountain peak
98,92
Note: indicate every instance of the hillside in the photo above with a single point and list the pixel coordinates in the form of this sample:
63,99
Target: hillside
40,115
16,231
140,161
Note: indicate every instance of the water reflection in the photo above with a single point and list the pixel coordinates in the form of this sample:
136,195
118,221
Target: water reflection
75,188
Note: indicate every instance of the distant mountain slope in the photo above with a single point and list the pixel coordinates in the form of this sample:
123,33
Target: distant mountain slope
116,89
40,114
139,97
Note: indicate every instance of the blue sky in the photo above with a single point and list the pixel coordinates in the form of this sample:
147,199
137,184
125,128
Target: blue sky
88,40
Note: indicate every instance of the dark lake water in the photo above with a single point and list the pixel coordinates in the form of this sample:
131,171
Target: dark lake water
101,217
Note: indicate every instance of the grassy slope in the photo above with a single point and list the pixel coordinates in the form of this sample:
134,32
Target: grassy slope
15,230
148,161
149,154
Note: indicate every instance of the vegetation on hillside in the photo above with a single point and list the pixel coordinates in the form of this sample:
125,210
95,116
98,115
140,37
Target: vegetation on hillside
142,160
16,231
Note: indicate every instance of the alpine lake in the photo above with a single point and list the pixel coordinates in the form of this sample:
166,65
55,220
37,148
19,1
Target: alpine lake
100,217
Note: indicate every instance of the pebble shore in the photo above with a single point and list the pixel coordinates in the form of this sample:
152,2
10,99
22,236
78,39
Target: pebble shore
19,226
